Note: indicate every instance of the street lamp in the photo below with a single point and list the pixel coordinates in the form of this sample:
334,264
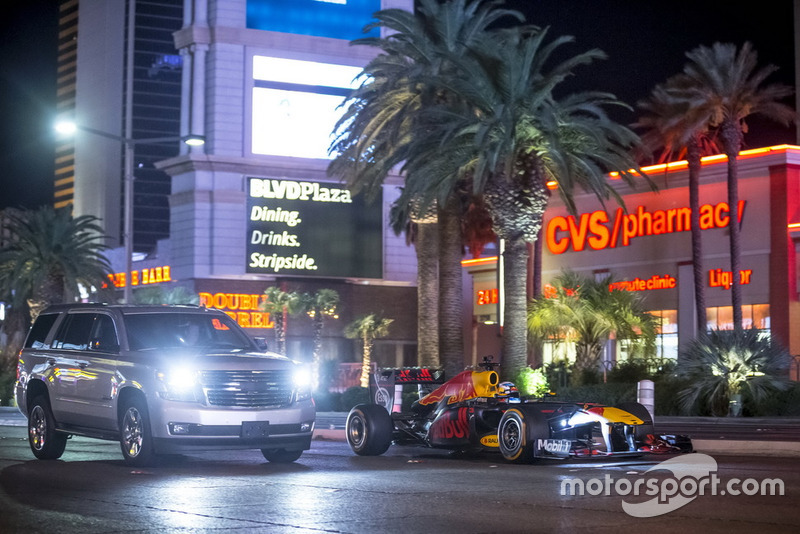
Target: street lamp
70,128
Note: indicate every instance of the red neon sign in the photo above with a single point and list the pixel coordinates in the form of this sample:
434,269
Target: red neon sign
600,232
487,296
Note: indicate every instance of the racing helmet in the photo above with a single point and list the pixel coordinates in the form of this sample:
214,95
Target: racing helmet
507,390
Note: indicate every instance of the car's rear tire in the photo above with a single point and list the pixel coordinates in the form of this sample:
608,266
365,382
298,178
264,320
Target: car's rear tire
281,456
46,442
135,436
369,429
638,410
517,434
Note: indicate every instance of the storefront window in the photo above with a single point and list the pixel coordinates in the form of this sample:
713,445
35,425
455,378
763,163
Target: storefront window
753,315
667,333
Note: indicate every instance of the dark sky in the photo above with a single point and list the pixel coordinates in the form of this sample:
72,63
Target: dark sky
645,41
28,37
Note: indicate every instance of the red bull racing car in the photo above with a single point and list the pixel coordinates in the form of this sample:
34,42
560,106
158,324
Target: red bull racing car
474,411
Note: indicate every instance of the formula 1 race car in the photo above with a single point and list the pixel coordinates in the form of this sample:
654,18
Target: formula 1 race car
474,411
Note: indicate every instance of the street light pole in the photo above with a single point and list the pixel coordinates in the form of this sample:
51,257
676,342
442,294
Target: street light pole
127,229
69,128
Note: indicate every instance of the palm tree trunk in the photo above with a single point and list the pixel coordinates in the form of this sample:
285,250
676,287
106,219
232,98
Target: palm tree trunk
731,139
427,247
693,158
280,338
451,335
366,362
515,335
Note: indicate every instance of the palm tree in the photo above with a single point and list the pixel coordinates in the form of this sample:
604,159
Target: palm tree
422,231
376,135
162,295
279,305
679,130
726,86
367,329
50,257
726,365
589,312
319,305
507,134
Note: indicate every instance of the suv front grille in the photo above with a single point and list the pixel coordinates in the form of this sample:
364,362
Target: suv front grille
247,389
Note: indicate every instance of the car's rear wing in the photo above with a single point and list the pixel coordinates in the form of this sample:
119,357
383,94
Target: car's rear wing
386,384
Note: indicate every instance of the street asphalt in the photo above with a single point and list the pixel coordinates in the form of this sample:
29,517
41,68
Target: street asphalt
724,435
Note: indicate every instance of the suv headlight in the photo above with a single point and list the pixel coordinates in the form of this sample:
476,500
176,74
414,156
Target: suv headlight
301,382
178,384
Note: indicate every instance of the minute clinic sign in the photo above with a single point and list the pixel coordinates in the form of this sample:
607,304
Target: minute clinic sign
312,228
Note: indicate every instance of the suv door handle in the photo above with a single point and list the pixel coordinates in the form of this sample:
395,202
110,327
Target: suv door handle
51,361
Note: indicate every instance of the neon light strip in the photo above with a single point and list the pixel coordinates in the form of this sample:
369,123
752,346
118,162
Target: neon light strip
479,261
706,160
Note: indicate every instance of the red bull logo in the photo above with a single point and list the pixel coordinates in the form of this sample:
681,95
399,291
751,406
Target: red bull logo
459,388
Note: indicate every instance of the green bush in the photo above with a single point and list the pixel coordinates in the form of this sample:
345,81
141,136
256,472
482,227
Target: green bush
7,379
353,396
728,365
609,394
328,402
532,382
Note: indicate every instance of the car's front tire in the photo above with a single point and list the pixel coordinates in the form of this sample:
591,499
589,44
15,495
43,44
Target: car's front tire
369,429
517,434
135,437
281,456
46,442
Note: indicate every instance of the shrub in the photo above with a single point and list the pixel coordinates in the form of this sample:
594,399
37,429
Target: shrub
352,396
532,382
728,365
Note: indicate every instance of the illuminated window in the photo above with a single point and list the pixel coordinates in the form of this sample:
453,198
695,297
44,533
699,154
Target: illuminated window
753,315
667,333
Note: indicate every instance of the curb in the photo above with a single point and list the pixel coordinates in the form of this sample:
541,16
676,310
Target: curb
741,447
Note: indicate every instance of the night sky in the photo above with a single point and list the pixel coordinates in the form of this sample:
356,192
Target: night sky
645,42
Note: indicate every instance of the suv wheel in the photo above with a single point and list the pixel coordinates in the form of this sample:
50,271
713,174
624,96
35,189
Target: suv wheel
45,441
135,438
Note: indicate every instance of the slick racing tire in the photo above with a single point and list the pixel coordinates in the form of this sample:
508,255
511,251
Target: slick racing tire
369,429
638,410
517,434
46,442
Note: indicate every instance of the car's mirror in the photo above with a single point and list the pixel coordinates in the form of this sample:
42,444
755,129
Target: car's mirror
261,343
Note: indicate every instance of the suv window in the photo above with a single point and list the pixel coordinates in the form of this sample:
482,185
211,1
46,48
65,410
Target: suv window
38,334
104,336
170,330
74,332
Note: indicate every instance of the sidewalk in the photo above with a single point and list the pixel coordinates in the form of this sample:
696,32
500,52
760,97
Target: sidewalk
725,435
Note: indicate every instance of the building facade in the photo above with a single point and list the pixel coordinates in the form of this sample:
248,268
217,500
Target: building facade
92,92
253,207
646,246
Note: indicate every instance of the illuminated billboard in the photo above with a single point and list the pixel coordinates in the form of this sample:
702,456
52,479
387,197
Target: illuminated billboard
295,105
340,19
312,228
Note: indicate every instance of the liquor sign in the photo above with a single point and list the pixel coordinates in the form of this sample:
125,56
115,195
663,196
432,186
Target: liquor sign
312,228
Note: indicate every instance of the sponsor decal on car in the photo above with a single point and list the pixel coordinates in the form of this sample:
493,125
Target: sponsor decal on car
490,440
554,447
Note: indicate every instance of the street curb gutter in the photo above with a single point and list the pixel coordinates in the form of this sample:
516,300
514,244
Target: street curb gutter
742,447
706,446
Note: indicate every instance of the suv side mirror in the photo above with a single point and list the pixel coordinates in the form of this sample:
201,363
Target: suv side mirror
261,343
